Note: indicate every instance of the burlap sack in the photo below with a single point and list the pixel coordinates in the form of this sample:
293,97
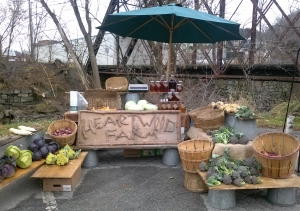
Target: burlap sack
238,151
194,132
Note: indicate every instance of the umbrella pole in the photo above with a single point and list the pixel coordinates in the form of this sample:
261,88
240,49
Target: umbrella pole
169,56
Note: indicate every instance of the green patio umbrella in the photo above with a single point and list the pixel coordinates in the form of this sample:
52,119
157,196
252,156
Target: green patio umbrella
172,24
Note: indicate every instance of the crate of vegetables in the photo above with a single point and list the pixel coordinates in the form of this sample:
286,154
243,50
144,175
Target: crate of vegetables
63,132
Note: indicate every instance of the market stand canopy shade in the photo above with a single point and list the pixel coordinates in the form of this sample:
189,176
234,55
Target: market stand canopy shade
185,25
172,24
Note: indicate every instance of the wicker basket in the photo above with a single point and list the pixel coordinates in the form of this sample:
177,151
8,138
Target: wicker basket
119,84
99,98
193,151
276,166
207,118
64,140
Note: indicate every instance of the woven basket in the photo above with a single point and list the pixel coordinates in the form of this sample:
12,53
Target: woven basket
119,84
207,118
99,98
193,151
64,140
276,166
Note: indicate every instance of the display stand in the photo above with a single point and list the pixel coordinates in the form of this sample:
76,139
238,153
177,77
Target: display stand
281,192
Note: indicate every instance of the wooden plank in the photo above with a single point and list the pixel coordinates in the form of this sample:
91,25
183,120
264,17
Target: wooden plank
292,181
55,171
21,172
107,129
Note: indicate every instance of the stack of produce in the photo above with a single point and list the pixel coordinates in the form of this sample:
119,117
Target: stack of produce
63,156
40,149
227,135
23,130
228,170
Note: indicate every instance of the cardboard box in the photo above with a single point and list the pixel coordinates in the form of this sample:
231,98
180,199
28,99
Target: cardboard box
62,184
132,153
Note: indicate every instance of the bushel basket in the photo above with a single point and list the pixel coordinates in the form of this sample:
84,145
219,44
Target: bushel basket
285,145
193,151
100,98
119,84
63,140
207,118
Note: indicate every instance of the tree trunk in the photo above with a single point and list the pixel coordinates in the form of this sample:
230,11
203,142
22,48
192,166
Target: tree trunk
88,40
78,67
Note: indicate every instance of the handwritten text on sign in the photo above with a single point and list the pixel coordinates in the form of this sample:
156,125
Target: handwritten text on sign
98,128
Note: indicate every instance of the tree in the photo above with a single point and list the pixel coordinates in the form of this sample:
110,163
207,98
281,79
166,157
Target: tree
67,43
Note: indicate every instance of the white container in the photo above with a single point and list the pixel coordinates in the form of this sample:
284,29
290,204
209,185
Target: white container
73,101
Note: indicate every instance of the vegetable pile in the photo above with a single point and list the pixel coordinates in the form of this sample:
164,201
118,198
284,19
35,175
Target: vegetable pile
226,134
64,131
40,149
63,156
225,169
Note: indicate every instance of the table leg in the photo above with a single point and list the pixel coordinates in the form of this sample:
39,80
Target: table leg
284,197
222,199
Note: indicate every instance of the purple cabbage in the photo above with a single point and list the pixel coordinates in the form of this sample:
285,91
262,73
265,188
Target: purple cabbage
51,148
37,155
40,142
45,151
55,145
7,167
33,147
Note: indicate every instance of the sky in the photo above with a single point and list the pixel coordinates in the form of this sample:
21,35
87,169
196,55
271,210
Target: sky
98,9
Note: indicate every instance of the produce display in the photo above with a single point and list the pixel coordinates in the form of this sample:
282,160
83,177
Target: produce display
40,149
64,131
227,135
140,105
227,170
63,156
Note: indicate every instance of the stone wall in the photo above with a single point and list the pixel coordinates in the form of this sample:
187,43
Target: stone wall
16,99
266,94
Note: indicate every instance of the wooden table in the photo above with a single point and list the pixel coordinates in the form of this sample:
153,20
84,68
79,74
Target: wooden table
281,192
21,172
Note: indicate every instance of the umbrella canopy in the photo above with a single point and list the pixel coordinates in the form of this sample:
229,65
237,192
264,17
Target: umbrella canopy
172,24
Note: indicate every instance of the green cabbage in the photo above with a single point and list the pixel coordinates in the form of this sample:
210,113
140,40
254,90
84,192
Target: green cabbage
12,151
135,107
142,102
25,159
129,103
150,106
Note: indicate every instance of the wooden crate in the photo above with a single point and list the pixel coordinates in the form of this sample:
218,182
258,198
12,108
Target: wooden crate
127,129
61,178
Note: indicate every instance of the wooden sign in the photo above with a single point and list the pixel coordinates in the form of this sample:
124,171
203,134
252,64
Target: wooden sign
103,129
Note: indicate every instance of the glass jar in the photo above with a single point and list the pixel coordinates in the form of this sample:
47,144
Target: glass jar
170,96
157,86
165,86
162,79
172,83
182,108
179,87
152,86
